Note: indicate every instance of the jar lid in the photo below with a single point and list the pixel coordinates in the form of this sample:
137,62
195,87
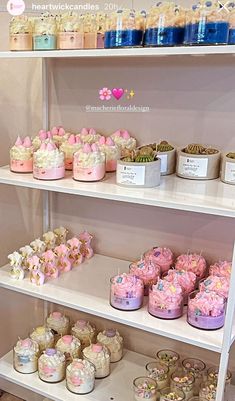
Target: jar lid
26,343
50,351
81,323
110,333
97,348
56,315
67,339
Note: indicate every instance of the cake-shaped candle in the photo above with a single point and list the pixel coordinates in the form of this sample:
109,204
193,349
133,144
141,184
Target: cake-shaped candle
145,388
206,310
147,271
48,163
89,135
42,136
89,164
44,35
80,376
69,147
221,269
21,156
51,366
165,25
85,332
26,353
193,263
207,24
70,346
186,280
126,292
99,355
21,33
114,342
123,139
70,32
112,152
59,135
59,323
162,257
43,336
220,285
166,300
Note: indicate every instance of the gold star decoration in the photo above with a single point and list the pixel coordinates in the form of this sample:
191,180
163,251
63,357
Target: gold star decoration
132,93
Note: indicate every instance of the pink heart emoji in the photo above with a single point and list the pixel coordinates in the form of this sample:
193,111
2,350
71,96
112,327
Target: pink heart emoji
118,93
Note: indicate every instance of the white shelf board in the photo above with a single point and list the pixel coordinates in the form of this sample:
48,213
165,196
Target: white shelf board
210,197
117,387
76,290
128,52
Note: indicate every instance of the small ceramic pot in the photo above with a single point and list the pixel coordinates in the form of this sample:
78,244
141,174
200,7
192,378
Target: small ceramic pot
70,40
198,167
227,173
168,162
21,42
140,175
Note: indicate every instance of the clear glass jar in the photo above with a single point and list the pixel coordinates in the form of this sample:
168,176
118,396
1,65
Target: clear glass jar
51,366
25,356
126,292
159,372
206,24
125,28
206,310
89,164
80,377
166,300
165,25
167,394
169,358
70,32
21,38
183,381
197,368
212,376
45,33
207,391
145,388
99,356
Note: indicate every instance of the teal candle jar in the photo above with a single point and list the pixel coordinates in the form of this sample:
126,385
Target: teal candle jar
45,33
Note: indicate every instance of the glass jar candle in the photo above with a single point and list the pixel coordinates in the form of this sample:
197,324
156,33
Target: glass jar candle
58,323
186,279
169,358
21,156
212,376
125,28
85,332
90,31
183,381
44,34
89,164
167,394
126,292
206,24
48,162
197,368
165,25
70,32
147,271
26,354
231,39
207,391
159,372
99,355
80,377
166,300
21,38
145,388
114,342
206,310
51,366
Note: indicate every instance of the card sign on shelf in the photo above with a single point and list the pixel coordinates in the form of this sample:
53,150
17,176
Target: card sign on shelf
163,162
192,166
230,172
132,175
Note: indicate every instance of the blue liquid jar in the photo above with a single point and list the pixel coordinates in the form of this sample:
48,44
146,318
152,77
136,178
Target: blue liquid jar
45,33
165,26
231,38
125,28
206,24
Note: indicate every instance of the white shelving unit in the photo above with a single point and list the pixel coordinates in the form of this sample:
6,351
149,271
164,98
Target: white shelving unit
72,290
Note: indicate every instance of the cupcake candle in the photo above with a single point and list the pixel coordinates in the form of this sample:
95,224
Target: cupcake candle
123,139
26,353
166,300
126,292
80,376
44,337
48,162
70,32
220,285
44,35
69,147
114,342
186,280
21,33
85,332
221,269
162,257
51,366
147,271
112,152
99,355
59,323
89,164
70,346
21,156
193,263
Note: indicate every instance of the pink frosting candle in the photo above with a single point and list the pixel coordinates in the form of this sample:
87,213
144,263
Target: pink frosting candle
221,269
163,257
186,280
126,292
220,285
192,262
166,300
146,270
206,310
